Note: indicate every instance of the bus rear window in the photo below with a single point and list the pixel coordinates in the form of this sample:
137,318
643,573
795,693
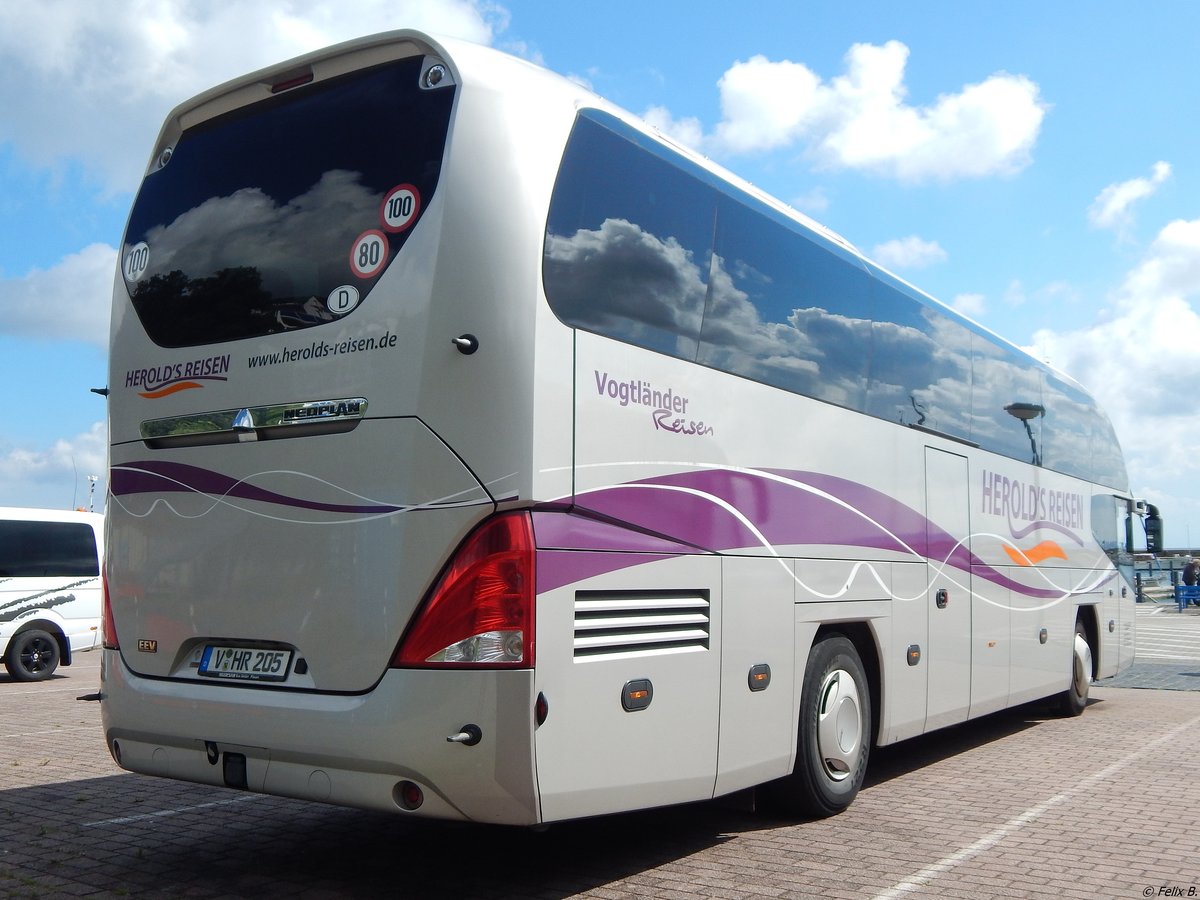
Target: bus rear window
284,214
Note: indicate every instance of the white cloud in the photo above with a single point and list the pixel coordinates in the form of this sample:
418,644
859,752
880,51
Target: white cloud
1142,362
814,202
861,120
1054,293
529,52
972,305
56,476
909,253
89,83
1171,269
688,131
1112,207
1058,292
1014,294
68,302
765,104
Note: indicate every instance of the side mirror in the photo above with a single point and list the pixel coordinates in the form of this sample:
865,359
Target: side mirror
1154,525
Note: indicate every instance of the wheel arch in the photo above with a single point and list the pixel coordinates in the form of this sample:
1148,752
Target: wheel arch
1087,616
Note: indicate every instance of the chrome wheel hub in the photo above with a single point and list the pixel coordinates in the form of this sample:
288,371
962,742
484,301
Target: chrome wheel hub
839,725
1082,670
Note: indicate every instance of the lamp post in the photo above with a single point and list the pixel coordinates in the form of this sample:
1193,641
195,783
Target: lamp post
1027,412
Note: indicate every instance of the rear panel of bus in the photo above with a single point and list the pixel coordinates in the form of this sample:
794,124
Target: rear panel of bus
321,383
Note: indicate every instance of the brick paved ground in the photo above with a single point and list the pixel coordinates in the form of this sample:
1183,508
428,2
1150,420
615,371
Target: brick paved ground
1017,805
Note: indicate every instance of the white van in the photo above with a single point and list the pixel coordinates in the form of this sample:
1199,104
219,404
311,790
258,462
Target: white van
49,588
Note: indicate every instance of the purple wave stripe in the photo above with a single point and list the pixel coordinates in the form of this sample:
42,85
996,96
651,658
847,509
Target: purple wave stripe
787,514
1042,525
561,530
558,568
613,547
689,518
152,476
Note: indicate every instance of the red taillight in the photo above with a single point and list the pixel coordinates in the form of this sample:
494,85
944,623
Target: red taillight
480,612
108,628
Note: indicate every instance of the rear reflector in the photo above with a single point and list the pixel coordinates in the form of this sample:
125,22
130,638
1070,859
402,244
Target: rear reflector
108,628
480,612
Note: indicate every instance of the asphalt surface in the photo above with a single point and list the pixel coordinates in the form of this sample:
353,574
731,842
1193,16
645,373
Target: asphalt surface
1168,650
1019,804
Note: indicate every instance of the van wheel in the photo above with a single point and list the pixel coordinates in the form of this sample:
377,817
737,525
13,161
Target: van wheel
834,734
32,656
1072,701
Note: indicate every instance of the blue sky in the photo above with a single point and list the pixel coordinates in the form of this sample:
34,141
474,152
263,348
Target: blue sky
1033,164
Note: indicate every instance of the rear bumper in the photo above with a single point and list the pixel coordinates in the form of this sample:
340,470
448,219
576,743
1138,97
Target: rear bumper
346,750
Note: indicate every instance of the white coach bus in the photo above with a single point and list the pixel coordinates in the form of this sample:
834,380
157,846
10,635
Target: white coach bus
477,453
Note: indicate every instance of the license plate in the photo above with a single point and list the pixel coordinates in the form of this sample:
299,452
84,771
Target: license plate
245,663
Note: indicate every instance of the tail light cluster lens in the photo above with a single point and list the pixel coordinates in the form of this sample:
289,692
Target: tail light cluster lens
480,612
108,628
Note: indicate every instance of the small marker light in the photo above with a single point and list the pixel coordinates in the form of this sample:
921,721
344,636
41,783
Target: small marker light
637,695
759,678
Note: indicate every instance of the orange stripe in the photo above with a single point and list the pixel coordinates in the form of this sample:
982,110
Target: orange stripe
172,389
1034,555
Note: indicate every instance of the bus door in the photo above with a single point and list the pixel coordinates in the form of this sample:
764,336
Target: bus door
949,599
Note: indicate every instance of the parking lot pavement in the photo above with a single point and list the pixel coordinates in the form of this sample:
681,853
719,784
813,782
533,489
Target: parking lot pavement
1168,650
1012,806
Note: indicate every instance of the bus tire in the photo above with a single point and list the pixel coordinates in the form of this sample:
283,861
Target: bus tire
32,655
1073,700
834,737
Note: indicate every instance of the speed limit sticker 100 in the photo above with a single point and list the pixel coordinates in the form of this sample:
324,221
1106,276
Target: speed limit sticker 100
137,261
400,207
369,254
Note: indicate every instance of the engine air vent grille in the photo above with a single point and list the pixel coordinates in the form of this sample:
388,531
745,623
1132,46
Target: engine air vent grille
611,624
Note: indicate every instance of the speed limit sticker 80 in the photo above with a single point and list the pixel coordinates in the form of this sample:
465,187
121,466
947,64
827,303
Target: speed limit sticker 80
369,254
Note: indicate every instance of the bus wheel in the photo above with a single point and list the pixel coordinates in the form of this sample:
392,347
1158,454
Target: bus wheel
1072,701
32,656
835,733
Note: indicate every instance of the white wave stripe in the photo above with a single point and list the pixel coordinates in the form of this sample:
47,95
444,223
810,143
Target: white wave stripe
1102,575
766,545
944,565
943,569
449,501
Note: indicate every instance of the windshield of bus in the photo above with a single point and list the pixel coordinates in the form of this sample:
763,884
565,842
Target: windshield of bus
283,215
